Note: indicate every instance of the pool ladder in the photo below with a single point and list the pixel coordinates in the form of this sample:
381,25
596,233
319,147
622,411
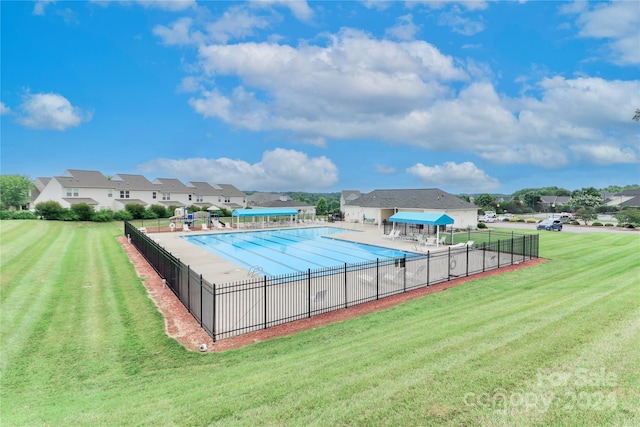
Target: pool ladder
255,271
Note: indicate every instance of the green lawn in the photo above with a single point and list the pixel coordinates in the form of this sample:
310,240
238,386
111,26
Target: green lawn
556,344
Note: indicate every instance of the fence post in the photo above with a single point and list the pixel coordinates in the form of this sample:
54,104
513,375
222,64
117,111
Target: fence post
346,296
201,316
265,301
213,314
449,264
484,253
404,274
188,288
499,253
309,292
428,262
513,246
377,278
467,261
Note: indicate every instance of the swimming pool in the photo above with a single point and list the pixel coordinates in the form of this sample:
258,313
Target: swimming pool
293,250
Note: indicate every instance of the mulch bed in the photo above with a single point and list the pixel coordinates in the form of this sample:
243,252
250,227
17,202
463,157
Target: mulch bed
180,325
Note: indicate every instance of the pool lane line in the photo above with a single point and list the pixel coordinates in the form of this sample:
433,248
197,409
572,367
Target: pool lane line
263,256
322,256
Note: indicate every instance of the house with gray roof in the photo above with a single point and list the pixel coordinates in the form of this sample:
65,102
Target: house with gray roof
378,206
348,196
101,192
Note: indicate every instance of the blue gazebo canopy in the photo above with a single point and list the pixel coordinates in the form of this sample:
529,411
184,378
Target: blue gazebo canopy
264,212
425,218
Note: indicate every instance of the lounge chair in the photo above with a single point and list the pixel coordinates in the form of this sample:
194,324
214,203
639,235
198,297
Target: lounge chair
204,227
185,227
393,235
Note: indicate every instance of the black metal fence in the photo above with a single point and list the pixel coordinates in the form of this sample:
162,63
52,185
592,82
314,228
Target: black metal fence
229,309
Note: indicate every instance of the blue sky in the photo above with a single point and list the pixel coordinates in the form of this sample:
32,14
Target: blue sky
476,96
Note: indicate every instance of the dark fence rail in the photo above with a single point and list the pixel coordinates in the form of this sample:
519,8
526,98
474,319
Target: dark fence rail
229,309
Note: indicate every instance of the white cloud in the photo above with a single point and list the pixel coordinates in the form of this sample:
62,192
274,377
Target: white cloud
236,23
461,24
299,8
50,111
169,5
40,6
357,87
178,33
405,29
4,109
464,175
617,22
439,4
279,169
605,154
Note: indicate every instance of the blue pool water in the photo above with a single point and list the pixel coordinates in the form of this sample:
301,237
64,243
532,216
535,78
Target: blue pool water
292,250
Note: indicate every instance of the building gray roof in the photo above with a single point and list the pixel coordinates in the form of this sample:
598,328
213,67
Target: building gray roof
73,178
171,185
134,182
428,198
349,195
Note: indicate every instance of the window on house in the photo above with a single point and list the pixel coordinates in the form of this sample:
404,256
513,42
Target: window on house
166,196
199,199
227,199
109,193
189,197
153,195
124,194
72,192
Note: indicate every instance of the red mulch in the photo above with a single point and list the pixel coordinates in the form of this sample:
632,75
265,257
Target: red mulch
180,325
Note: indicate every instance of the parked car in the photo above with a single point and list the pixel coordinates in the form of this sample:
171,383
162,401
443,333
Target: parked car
550,225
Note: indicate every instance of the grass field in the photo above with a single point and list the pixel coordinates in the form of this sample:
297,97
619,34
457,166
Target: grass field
556,344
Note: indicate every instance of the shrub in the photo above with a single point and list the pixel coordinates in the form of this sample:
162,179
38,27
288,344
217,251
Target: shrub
136,210
482,225
5,214
23,215
83,211
159,210
520,219
49,210
597,224
608,224
149,214
574,223
530,221
68,215
123,215
514,219
103,215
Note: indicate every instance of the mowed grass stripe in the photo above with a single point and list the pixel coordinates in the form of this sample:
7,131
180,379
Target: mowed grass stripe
32,291
20,252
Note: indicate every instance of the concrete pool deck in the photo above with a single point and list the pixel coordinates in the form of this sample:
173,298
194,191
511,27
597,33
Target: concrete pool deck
215,269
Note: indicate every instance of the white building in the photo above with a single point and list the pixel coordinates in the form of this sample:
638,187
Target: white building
101,192
378,206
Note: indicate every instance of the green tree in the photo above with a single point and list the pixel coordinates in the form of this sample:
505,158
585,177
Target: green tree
484,200
585,200
587,215
49,210
628,216
15,190
636,116
83,211
334,206
321,206
532,199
